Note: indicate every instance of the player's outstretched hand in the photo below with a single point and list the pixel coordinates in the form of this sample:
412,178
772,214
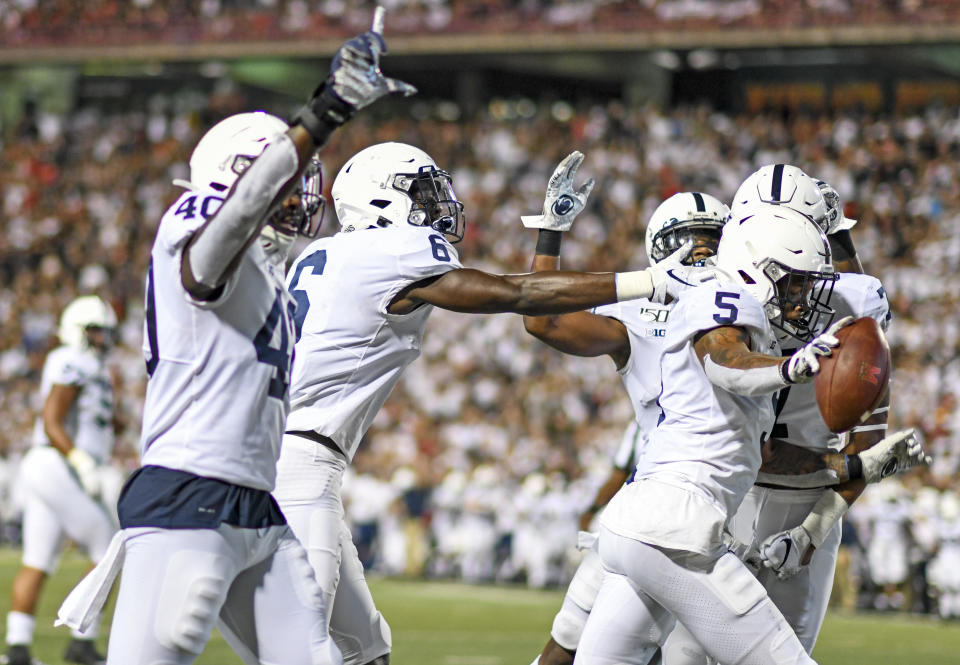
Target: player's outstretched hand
804,363
894,454
86,469
355,81
563,202
783,552
670,276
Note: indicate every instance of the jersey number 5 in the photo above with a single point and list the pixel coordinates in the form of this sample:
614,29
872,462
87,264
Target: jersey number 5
729,307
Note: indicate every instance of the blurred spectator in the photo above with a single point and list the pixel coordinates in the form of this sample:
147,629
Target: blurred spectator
112,22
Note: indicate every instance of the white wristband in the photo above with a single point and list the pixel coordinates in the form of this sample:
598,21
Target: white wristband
633,285
826,512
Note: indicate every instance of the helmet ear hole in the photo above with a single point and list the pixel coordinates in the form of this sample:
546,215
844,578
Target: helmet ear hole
747,279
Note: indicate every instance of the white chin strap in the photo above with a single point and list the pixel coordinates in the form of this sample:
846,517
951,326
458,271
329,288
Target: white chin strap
276,245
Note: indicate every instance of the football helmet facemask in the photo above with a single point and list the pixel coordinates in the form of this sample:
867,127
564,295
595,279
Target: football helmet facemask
86,315
785,185
781,258
396,183
683,216
836,220
228,149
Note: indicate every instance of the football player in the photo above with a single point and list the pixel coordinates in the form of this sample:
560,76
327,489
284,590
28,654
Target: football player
632,335
60,474
363,299
810,475
661,539
203,541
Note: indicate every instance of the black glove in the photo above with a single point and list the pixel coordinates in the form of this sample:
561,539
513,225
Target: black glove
355,81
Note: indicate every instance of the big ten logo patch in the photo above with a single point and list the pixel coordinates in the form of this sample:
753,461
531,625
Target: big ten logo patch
654,315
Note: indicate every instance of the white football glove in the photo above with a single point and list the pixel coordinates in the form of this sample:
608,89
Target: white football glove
896,453
670,276
562,203
804,363
782,552
86,469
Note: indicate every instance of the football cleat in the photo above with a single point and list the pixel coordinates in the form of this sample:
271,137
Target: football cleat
18,654
83,652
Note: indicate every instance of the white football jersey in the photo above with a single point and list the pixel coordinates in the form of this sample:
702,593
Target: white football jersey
217,394
89,421
646,324
798,416
704,456
350,351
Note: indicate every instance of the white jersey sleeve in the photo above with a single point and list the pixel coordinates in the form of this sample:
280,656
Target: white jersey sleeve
350,350
89,421
218,371
798,417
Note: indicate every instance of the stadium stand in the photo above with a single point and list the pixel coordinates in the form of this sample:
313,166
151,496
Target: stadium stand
490,433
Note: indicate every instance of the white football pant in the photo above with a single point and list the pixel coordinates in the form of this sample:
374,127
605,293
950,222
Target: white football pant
578,601
55,506
309,477
721,603
255,584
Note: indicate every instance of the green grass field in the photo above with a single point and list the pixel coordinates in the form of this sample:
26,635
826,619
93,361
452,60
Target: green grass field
440,623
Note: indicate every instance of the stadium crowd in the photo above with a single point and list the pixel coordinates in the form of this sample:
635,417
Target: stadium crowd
103,22
492,440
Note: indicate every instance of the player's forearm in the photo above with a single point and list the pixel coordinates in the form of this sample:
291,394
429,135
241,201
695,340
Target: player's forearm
58,436
214,252
543,327
559,292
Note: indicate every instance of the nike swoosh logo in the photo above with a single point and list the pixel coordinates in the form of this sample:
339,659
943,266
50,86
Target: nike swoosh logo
794,251
670,272
786,554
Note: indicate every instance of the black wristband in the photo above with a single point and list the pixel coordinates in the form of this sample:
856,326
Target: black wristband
785,372
548,242
854,467
322,114
842,245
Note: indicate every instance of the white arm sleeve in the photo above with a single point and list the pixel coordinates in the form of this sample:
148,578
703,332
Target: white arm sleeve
748,382
242,214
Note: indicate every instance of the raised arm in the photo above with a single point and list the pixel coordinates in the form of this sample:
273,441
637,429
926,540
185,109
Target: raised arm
213,253
578,333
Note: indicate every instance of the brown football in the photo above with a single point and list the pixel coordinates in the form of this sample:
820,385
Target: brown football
853,379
